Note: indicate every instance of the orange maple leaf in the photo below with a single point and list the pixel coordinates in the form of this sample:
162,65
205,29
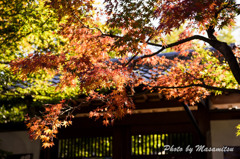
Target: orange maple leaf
47,144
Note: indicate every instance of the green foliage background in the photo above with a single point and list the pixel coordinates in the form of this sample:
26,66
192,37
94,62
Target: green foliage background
27,27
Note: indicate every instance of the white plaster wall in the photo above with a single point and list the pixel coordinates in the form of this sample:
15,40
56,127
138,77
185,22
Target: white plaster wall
223,133
18,142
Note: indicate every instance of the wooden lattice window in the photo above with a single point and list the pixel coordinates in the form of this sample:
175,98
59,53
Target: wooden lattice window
153,144
85,147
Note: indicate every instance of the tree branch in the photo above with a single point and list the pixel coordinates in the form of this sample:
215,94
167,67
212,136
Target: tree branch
221,9
199,37
149,43
194,37
4,62
218,45
130,59
153,44
210,32
86,26
226,51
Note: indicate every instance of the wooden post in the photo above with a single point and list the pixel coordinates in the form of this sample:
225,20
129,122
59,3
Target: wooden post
201,126
204,124
121,143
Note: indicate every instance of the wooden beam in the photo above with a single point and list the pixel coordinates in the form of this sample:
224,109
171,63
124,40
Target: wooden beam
144,111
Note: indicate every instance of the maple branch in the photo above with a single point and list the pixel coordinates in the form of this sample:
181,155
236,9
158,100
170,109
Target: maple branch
226,51
131,59
200,85
150,37
147,42
67,110
5,89
154,44
194,37
12,36
228,5
4,62
210,32
86,26
236,5
112,36
218,45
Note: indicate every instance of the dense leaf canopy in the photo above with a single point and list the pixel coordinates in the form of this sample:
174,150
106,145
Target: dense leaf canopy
54,52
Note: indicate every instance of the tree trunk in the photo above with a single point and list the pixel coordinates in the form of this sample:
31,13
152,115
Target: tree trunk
228,54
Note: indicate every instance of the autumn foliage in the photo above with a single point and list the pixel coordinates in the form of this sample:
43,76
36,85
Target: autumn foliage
100,47
46,127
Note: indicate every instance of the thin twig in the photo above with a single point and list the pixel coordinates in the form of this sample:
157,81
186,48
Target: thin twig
86,26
